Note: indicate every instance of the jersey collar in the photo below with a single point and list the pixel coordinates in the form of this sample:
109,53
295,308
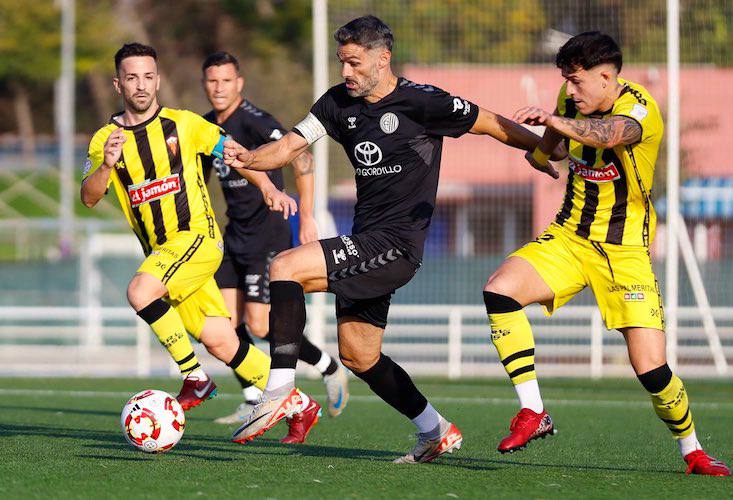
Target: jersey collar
139,126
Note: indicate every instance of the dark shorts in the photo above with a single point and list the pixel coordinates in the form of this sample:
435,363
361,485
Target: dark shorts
247,257
364,270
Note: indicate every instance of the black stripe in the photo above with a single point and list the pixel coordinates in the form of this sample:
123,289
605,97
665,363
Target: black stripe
186,359
647,201
175,159
517,355
680,431
126,181
205,199
567,204
146,158
617,222
189,370
185,258
524,369
588,213
603,253
677,422
590,204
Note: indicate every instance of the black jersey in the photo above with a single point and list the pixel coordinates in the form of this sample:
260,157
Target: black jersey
395,146
251,127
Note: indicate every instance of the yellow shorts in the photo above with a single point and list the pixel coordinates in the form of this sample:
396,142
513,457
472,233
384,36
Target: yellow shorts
186,264
621,277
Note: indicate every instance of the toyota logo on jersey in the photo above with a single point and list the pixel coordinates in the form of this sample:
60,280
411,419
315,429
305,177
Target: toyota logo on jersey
153,189
367,153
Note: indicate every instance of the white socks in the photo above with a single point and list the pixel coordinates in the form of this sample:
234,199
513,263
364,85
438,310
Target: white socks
529,395
280,378
323,363
688,444
428,420
197,373
251,393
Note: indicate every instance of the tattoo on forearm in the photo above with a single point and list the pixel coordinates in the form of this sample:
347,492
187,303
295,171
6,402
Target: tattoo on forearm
614,131
303,165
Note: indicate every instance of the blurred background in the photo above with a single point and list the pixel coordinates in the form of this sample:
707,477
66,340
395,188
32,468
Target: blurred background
64,268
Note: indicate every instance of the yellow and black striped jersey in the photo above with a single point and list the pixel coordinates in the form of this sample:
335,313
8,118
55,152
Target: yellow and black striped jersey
158,179
608,197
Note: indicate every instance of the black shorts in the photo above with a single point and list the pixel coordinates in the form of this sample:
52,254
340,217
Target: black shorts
364,270
247,256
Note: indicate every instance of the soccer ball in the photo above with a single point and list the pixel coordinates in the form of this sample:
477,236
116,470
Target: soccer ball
153,421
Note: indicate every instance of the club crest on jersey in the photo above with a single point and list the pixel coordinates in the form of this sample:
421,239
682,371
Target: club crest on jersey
598,175
389,123
172,143
367,153
153,189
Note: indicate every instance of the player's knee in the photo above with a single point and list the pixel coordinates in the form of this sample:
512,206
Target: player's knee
259,327
140,292
497,303
281,268
358,362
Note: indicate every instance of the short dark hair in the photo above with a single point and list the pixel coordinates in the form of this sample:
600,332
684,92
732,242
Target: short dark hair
219,59
366,31
587,51
131,50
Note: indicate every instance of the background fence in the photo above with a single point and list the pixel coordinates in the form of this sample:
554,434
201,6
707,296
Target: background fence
63,308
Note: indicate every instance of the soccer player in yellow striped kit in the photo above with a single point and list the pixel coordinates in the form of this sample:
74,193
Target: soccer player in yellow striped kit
150,154
600,238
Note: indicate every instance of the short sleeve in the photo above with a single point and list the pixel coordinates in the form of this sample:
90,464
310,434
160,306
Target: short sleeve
269,129
447,115
204,134
95,154
635,107
322,120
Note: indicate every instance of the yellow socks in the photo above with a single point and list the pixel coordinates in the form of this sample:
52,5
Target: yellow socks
251,364
670,400
168,327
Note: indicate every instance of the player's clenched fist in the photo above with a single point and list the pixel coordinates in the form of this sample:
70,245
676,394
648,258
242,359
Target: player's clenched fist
236,155
532,115
113,147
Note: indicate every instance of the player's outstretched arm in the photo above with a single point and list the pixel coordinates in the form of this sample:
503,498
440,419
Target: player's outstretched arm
303,167
270,156
94,187
593,132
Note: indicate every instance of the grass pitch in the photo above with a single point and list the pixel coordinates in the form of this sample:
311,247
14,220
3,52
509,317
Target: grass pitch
61,438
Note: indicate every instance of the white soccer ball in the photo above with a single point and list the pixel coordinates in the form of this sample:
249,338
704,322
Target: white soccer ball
153,421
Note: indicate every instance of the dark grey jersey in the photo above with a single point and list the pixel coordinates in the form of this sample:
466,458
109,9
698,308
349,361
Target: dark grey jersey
395,146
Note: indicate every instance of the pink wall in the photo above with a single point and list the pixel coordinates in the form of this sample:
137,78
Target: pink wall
705,93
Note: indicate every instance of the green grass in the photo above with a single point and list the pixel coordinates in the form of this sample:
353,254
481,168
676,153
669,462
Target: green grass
610,444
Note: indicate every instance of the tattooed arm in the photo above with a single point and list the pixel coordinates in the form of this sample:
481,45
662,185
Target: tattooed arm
597,133
303,167
593,132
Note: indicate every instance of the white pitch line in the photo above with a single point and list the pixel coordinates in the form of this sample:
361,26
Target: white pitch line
374,399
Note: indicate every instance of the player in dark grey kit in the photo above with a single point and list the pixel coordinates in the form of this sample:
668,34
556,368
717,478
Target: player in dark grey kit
255,234
392,131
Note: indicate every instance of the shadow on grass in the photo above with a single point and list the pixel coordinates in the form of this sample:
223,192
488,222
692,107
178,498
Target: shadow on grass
70,411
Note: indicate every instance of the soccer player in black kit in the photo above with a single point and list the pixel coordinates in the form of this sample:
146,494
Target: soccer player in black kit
392,131
255,234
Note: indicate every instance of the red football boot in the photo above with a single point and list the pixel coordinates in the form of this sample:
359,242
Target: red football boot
300,424
195,391
525,427
699,462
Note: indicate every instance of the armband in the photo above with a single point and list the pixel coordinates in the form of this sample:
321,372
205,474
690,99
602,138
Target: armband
311,128
218,150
